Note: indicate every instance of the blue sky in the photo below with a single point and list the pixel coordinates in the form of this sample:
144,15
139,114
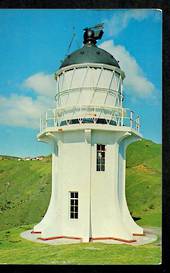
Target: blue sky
33,43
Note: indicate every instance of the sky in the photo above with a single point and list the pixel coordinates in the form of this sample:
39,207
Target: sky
33,45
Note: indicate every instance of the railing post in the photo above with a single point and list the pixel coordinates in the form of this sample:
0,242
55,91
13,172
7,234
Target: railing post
138,123
122,117
54,120
131,119
40,123
46,118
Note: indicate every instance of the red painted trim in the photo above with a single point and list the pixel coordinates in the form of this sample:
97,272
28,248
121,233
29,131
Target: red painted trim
137,234
59,237
90,239
35,232
113,238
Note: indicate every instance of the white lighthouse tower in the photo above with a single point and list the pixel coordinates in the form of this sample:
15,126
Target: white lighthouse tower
89,131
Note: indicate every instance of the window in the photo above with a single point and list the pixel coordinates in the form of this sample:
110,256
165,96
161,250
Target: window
73,205
100,166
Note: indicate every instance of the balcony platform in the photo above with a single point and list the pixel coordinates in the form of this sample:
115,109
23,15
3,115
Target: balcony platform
89,116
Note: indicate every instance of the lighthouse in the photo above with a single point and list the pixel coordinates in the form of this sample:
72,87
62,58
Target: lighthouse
89,131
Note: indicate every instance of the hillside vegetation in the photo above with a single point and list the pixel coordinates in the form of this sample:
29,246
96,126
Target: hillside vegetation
144,181
25,187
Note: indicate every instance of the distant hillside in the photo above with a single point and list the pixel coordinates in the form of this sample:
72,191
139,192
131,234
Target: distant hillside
144,181
4,157
25,186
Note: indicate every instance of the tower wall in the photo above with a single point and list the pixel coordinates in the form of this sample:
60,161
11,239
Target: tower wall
102,208
125,214
105,207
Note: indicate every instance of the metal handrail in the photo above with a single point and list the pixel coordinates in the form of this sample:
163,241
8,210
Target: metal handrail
120,116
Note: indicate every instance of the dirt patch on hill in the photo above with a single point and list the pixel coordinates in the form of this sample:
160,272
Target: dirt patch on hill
144,169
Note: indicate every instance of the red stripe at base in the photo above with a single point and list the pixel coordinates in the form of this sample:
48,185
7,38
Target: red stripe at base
90,239
138,234
59,237
113,238
35,232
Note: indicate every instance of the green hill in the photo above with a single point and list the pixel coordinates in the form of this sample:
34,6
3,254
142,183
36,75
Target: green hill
25,187
144,181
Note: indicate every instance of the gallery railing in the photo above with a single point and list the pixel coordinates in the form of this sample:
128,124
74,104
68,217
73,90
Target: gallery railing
96,114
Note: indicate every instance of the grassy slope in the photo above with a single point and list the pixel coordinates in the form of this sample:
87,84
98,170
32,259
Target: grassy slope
24,197
25,191
143,181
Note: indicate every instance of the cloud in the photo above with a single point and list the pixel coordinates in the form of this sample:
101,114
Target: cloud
41,83
22,111
135,82
121,19
25,111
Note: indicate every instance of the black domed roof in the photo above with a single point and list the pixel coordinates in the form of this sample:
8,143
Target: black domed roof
90,54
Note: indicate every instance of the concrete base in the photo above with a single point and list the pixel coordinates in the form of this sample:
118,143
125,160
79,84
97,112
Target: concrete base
149,237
